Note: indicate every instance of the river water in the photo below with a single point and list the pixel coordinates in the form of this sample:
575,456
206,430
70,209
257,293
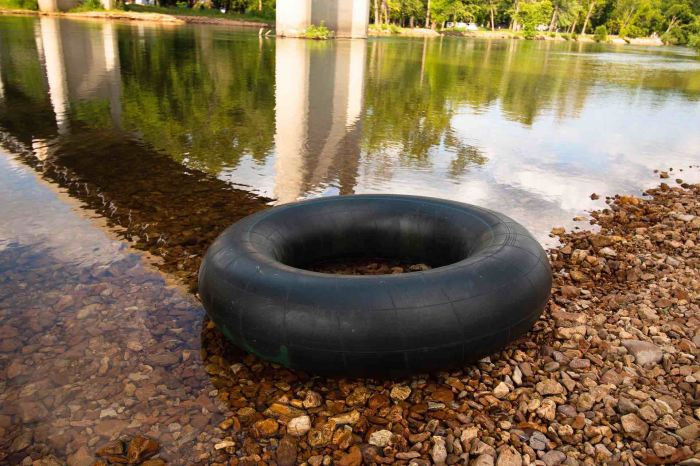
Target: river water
530,128
165,135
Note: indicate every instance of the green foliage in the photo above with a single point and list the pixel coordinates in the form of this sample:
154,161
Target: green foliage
601,34
566,36
534,14
694,41
529,32
632,31
675,36
320,32
199,10
19,5
88,5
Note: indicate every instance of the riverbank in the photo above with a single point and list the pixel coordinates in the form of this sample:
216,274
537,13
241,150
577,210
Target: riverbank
609,374
506,34
174,19
159,18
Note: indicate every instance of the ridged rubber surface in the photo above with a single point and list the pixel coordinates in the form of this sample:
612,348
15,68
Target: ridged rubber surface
380,325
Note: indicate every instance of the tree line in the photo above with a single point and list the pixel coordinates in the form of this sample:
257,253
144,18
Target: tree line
675,21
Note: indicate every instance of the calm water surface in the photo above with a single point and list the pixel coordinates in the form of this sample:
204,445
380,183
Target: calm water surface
528,128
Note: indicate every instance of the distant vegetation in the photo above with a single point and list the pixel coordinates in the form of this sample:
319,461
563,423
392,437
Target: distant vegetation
19,4
88,5
183,8
674,21
601,34
250,9
320,32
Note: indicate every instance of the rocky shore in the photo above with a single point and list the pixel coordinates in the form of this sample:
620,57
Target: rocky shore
608,375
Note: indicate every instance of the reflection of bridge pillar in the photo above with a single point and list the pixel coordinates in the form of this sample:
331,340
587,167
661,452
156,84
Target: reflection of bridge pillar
2,88
291,107
319,93
113,71
91,71
52,47
347,18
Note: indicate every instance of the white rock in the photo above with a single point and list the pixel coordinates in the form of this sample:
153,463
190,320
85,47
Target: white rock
224,444
439,451
380,438
400,392
299,426
501,390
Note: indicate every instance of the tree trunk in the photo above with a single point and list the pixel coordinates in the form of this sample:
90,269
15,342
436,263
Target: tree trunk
385,12
376,11
628,17
259,5
553,22
572,29
410,22
588,17
427,15
671,24
514,20
493,23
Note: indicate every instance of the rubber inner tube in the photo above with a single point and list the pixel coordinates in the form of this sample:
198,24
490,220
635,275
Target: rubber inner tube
489,283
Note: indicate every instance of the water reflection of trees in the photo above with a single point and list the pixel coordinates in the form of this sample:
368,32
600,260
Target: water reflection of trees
198,98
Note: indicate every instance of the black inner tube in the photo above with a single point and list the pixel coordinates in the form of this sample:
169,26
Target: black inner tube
413,238
489,283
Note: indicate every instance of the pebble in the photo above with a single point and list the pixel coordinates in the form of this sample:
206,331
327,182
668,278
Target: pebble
483,460
439,451
400,392
644,352
634,427
553,458
380,438
509,457
299,426
501,390
549,387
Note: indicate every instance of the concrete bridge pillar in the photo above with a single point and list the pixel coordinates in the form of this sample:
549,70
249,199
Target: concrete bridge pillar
347,18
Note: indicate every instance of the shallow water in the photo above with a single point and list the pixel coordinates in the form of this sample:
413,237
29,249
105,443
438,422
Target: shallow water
92,343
